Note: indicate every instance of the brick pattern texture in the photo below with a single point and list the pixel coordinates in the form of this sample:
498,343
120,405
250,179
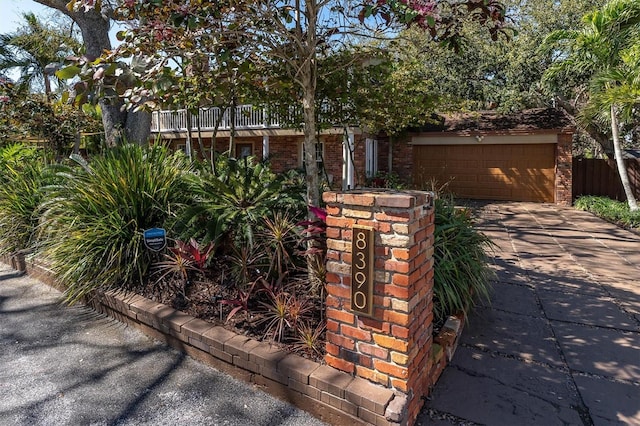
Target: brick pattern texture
564,170
392,348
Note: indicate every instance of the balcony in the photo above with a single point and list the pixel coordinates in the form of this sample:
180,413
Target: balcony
247,117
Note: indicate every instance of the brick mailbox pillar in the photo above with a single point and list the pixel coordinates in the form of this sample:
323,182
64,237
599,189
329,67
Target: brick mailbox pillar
379,299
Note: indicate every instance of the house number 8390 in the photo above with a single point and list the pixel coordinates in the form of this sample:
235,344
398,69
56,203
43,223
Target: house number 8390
362,270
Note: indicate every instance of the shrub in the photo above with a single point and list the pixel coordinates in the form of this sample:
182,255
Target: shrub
235,200
22,173
617,212
92,221
461,269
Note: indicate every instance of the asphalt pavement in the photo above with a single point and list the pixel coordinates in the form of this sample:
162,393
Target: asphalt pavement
64,365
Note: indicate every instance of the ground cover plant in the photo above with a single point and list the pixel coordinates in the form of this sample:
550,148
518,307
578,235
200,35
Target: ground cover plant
617,212
245,262
92,218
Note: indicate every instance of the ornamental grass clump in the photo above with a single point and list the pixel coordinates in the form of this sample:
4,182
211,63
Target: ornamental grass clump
461,268
22,173
92,220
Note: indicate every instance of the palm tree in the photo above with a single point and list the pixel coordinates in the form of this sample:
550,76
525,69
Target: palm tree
32,48
605,52
615,96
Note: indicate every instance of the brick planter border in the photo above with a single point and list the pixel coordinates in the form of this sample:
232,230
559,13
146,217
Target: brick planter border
331,395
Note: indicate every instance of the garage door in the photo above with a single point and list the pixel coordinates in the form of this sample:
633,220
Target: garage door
522,172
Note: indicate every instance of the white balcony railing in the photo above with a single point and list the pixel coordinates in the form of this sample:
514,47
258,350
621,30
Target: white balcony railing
246,117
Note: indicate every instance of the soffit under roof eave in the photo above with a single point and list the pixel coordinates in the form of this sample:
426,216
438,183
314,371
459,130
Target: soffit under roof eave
505,132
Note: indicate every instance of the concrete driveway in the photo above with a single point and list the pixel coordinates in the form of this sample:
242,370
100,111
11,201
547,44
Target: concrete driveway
560,342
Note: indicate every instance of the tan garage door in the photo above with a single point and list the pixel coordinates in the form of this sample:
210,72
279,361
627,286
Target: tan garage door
491,172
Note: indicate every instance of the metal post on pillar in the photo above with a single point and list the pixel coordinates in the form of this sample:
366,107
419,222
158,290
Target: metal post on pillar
265,147
348,170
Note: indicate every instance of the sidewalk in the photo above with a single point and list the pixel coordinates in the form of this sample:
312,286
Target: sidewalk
560,342
70,366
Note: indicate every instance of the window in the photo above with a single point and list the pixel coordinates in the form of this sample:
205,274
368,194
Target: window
319,153
244,150
371,157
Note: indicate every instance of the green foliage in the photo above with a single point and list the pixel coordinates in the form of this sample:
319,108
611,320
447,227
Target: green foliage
604,53
617,212
386,91
598,57
460,263
236,199
185,257
310,340
389,180
22,173
32,116
284,312
279,237
505,73
32,48
92,221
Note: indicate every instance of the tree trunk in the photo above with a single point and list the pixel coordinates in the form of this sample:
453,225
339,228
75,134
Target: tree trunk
94,26
47,88
113,122
310,160
138,127
203,152
622,170
189,134
232,128
308,79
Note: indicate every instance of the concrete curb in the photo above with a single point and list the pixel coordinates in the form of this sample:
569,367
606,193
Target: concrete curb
331,395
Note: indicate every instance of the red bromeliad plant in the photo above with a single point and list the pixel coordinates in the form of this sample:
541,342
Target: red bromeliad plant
184,257
192,251
243,301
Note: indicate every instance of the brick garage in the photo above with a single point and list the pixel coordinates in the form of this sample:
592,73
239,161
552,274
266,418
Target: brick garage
519,157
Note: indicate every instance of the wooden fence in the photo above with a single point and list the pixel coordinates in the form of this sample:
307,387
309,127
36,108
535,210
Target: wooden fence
600,177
